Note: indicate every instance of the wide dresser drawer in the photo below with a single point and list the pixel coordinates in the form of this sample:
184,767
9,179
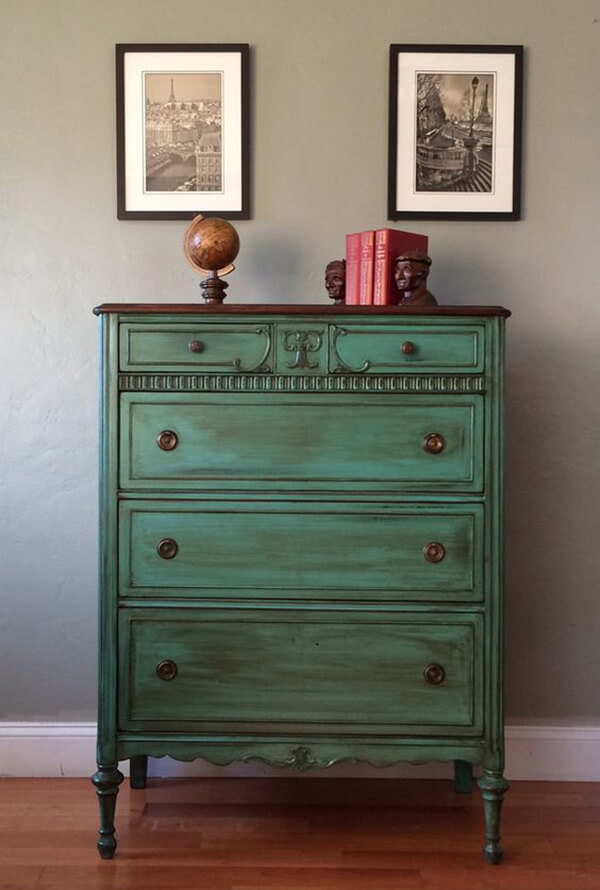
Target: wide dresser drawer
406,348
368,672
196,348
231,550
281,441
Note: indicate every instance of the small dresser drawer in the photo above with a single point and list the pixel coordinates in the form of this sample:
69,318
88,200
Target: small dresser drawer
300,551
278,670
406,348
196,348
278,441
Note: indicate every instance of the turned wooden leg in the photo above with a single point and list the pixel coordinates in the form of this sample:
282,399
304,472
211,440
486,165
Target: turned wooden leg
138,771
107,781
493,788
463,776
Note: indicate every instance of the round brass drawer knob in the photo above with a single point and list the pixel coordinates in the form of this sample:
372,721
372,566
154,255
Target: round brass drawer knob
196,346
434,443
167,548
434,551
408,348
167,440
166,670
434,674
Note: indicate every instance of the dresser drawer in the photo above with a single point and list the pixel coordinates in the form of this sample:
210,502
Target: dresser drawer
196,348
281,441
216,670
300,551
406,348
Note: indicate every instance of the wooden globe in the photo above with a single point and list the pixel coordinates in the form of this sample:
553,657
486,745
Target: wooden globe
211,245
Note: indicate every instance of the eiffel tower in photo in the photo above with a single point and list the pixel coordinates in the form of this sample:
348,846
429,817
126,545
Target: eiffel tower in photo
484,116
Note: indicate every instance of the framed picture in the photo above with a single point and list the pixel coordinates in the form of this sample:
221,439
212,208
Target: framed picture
182,131
455,132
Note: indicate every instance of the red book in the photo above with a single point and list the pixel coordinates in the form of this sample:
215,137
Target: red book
365,268
390,243
352,263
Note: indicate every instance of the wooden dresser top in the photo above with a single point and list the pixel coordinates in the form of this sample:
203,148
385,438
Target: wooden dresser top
293,309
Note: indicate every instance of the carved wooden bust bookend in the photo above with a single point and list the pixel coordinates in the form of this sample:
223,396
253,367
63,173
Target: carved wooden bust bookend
335,280
411,269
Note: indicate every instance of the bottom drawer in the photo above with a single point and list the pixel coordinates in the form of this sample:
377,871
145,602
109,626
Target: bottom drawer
371,672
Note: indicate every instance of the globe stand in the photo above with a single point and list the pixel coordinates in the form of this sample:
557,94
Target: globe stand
213,288
210,247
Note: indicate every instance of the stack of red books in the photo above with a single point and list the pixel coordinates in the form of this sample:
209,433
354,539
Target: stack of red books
370,264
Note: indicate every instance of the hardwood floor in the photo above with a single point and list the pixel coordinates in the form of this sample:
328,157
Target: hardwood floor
297,834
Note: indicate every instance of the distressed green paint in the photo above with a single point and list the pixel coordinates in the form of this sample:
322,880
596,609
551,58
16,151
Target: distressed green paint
356,442
244,549
106,782
463,776
494,548
299,607
221,347
302,348
291,671
378,349
493,787
138,771
107,649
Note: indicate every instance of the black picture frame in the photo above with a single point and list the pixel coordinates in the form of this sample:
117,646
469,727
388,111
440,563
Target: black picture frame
450,157
222,124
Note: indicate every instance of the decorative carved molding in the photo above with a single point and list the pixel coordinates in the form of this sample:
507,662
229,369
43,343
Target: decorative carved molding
300,758
334,332
302,343
425,383
262,362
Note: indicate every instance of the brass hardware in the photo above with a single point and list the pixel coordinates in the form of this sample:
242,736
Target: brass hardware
167,548
434,551
166,670
167,440
434,674
408,348
434,443
196,346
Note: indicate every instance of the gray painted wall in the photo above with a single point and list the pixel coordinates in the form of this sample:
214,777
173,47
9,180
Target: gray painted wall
319,144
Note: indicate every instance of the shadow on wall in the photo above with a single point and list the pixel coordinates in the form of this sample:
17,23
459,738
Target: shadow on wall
550,640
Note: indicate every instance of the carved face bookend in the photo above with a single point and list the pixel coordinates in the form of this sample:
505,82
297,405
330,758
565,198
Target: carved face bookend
411,269
335,280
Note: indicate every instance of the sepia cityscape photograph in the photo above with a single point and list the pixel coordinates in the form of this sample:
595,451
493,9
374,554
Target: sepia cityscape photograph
183,132
455,132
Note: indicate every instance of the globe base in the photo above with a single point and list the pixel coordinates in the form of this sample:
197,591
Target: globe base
213,288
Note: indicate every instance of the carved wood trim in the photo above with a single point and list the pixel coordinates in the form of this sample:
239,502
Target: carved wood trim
302,343
420,383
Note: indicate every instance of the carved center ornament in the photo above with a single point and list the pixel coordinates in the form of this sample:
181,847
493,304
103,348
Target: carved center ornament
302,343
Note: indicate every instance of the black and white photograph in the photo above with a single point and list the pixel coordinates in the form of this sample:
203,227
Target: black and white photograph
182,131
454,132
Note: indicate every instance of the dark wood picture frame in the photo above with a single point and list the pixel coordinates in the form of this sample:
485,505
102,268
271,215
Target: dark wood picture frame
133,202
488,178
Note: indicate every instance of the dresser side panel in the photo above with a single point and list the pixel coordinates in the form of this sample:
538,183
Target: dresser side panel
108,473
494,544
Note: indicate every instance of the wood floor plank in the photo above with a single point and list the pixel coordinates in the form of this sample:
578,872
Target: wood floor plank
310,834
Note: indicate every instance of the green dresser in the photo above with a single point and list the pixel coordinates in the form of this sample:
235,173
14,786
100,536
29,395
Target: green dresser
301,540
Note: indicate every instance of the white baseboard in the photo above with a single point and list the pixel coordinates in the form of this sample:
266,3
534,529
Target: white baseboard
541,752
